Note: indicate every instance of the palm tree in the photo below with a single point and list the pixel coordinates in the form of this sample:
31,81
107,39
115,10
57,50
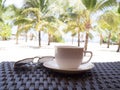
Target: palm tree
51,27
36,17
71,28
5,31
118,50
109,21
75,27
101,32
116,36
2,8
38,9
24,25
93,6
15,17
74,17
5,28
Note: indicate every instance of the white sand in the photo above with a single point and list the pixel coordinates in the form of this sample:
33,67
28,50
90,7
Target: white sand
9,51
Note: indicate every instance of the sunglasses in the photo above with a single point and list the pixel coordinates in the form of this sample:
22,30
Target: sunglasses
31,63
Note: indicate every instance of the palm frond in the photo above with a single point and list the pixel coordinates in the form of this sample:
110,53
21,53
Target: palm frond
90,4
1,20
90,35
2,2
35,11
32,3
22,21
104,4
26,27
40,25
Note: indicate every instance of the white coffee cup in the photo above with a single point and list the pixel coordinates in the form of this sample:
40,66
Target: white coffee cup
70,56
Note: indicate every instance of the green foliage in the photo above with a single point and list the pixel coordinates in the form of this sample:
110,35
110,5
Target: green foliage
90,4
109,20
114,38
119,9
2,2
42,5
103,24
58,38
2,10
103,4
22,20
5,31
40,14
90,35
24,28
95,5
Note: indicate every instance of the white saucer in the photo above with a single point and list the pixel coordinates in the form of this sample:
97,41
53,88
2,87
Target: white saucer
53,65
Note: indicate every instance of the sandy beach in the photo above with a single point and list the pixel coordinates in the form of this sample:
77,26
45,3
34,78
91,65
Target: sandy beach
9,51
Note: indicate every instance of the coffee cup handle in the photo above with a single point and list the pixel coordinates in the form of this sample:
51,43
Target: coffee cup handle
91,54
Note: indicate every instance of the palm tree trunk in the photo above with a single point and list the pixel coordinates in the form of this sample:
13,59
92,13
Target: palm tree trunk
39,33
108,44
17,34
72,39
4,38
49,38
118,50
26,37
78,38
101,38
86,41
16,39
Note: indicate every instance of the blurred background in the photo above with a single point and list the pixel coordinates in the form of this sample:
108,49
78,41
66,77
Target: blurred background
33,27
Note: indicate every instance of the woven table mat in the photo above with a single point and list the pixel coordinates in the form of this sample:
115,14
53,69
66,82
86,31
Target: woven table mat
104,76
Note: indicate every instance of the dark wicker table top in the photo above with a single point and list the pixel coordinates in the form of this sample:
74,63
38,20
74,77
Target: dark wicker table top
104,76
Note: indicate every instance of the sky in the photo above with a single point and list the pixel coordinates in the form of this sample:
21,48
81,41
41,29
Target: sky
17,3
